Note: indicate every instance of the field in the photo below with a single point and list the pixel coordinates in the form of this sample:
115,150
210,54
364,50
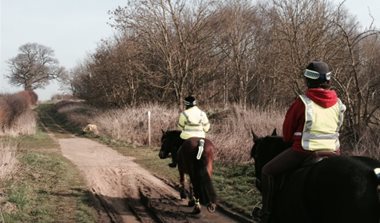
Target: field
43,186
39,184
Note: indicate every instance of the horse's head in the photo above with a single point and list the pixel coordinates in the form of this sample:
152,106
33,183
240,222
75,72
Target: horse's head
170,141
266,148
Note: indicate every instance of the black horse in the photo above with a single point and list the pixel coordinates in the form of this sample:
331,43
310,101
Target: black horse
338,189
199,170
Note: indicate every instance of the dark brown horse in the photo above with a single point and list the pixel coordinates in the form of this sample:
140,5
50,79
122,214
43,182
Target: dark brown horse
338,189
200,170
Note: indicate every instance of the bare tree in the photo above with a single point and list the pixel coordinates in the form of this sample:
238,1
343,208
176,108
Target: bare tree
239,40
34,66
358,77
174,36
81,82
302,30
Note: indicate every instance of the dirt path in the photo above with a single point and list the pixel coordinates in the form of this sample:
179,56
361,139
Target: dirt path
125,191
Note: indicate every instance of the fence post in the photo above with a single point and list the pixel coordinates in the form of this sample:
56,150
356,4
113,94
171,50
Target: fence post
149,132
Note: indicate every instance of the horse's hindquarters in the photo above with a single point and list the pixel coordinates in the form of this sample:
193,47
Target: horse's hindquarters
198,169
337,189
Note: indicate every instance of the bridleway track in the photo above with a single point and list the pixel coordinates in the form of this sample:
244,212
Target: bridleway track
124,190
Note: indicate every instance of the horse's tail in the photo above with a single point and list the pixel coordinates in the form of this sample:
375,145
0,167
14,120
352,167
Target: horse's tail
204,185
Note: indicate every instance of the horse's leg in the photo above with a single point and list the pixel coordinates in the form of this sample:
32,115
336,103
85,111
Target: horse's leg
211,207
194,184
182,190
195,201
197,207
191,196
209,168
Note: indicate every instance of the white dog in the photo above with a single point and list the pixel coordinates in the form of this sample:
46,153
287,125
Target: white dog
91,128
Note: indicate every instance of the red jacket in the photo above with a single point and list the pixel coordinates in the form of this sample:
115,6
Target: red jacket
295,116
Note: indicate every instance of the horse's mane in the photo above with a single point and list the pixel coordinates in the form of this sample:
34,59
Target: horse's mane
266,148
271,142
172,135
278,141
173,132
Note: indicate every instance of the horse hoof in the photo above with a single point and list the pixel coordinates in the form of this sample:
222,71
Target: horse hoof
211,207
182,194
197,209
257,214
191,203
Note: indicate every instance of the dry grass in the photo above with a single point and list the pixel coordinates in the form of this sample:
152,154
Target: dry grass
230,130
368,144
131,125
8,161
230,127
25,124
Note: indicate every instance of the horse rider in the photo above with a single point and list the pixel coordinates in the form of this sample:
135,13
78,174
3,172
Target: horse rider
311,125
193,122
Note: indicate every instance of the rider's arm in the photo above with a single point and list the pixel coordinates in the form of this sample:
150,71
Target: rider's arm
206,123
181,121
294,120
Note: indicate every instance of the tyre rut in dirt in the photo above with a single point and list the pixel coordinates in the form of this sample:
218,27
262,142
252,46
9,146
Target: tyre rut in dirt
106,208
49,123
220,208
162,207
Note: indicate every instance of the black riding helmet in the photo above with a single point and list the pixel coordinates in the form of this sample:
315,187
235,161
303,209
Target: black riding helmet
317,74
190,101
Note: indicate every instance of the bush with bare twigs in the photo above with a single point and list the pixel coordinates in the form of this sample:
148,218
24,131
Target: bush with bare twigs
230,129
16,115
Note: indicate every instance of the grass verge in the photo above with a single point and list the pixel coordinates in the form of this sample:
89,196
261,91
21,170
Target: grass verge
45,187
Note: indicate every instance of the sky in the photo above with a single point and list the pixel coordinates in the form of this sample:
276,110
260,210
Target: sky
74,28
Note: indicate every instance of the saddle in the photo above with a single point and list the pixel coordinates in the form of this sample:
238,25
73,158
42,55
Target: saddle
311,160
316,157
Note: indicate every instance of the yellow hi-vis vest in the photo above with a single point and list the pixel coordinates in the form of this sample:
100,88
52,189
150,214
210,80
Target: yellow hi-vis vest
194,123
321,128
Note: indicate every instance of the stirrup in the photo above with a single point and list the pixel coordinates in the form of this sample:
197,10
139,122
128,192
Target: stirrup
172,165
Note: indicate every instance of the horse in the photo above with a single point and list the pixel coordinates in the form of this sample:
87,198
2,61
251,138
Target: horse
199,170
13,105
335,189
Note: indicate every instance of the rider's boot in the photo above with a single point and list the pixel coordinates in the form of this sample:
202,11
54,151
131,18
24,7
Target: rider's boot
268,190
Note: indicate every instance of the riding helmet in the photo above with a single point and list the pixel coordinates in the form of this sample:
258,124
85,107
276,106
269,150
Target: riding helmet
318,70
190,101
